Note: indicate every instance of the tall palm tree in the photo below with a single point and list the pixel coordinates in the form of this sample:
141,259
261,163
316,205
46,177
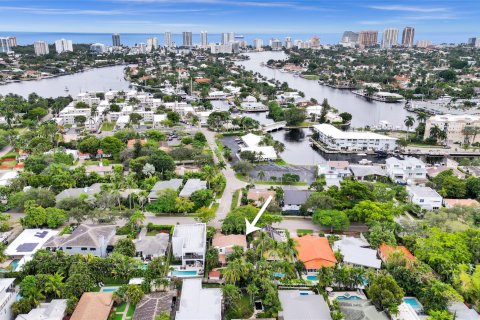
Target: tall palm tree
137,218
261,175
262,244
422,116
409,121
209,172
54,285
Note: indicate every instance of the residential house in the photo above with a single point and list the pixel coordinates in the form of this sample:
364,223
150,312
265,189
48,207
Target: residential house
7,298
303,305
94,239
462,312
151,247
425,197
251,142
450,203
53,310
366,172
6,177
361,310
409,169
99,169
93,305
191,186
334,172
29,242
225,243
259,196
189,242
197,303
385,250
173,184
357,253
315,253
294,199
90,192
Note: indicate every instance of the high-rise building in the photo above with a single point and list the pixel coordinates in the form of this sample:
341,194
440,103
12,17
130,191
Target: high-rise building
299,44
152,43
41,48
258,44
187,39
167,40
228,37
12,41
314,42
389,38
116,40
288,43
4,45
350,37
203,39
63,45
407,36
424,43
474,42
276,44
98,48
368,38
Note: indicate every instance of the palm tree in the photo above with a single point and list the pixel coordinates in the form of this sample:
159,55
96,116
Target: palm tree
209,172
221,165
325,277
54,285
252,290
136,219
262,243
409,121
234,271
290,249
261,175
422,116
467,132
435,132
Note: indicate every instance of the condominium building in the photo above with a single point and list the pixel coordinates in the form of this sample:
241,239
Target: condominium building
350,37
368,38
459,128
12,41
288,43
424,43
116,40
41,48
389,38
63,45
276,44
152,44
203,39
315,42
228,37
4,45
187,39
167,39
407,36
474,42
257,44
98,48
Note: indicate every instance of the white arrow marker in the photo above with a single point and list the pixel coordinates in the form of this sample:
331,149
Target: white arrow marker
251,226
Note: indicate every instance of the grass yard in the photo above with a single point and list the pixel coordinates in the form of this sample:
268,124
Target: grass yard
121,307
235,197
303,232
311,76
107,126
243,310
131,310
215,206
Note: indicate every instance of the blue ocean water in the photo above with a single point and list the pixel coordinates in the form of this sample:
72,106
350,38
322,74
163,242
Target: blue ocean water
130,39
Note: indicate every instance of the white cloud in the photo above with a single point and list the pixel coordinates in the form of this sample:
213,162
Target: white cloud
408,8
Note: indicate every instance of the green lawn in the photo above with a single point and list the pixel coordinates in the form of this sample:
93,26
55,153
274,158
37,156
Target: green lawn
121,307
311,77
245,179
243,310
302,232
235,197
131,310
215,206
107,126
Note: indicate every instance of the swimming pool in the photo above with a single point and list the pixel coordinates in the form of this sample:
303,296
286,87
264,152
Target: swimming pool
13,265
349,298
312,278
279,274
108,289
414,303
184,273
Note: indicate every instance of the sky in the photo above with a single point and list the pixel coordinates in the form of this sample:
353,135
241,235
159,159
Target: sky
457,19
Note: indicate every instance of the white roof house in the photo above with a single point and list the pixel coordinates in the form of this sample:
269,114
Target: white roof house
408,169
425,197
29,242
6,177
189,242
303,305
353,140
462,312
191,186
7,297
252,142
197,303
356,253
173,184
54,310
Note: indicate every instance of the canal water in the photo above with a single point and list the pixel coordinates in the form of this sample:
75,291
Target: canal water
102,79
364,112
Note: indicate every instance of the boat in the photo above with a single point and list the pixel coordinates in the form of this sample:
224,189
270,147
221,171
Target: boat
362,154
66,89
364,162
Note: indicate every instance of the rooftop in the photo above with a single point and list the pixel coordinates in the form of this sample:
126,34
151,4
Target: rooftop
29,242
257,194
297,305
407,161
93,305
193,235
251,140
85,235
77,192
353,252
315,252
197,303
386,250
360,310
54,310
153,245
296,197
461,202
335,133
173,184
221,240
191,186
423,191
364,171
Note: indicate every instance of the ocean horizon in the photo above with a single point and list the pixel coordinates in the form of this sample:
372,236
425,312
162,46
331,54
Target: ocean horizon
130,39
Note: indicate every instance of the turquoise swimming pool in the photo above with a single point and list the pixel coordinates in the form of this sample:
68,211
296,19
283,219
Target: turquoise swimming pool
184,273
312,278
278,274
414,303
349,298
109,289
13,266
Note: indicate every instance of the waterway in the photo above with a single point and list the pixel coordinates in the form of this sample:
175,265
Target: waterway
364,112
101,79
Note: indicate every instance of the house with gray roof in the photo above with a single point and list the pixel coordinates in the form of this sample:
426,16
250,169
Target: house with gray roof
191,186
356,252
360,172
77,192
93,239
360,310
173,184
425,197
150,247
294,199
302,305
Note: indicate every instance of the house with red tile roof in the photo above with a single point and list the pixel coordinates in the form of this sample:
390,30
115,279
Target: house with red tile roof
450,203
315,253
385,250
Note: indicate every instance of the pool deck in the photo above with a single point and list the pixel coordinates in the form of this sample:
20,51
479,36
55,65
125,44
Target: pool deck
333,295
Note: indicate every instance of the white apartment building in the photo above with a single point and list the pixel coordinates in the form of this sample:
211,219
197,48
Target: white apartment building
4,45
189,244
353,140
424,43
216,48
69,113
98,48
152,44
389,38
203,39
425,197
167,39
258,44
63,45
41,48
7,298
454,126
408,170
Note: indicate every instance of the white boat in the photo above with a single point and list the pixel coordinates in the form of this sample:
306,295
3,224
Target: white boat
362,154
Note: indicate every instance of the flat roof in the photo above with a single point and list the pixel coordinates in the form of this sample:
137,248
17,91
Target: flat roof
191,186
335,133
303,305
193,235
197,303
29,242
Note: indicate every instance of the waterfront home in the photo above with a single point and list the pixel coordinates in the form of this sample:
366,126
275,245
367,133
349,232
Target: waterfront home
409,169
94,239
356,253
225,243
315,253
53,310
197,303
252,143
217,95
7,298
191,186
189,242
454,126
29,242
253,107
367,172
385,250
425,197
336,139
77,192
302,305
93,305
450,203
334,172
173,184
294,199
